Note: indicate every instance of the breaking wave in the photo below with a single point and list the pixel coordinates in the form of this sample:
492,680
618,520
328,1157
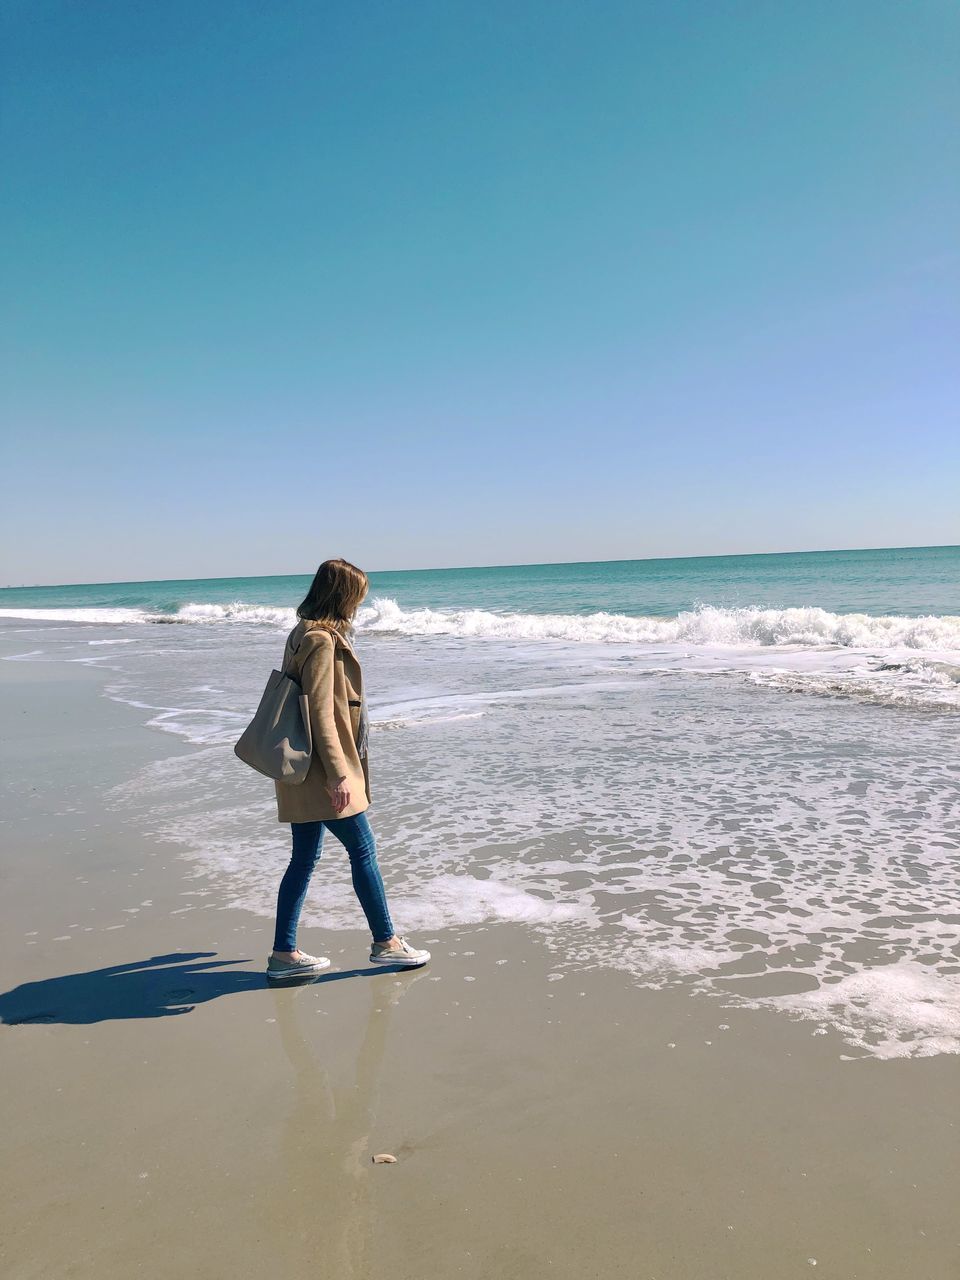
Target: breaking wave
706,625
748,627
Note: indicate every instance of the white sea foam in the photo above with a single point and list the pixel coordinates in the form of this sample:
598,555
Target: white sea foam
200,726
752,627
436,900
749,627
891,1011
238,611
915,683
107,616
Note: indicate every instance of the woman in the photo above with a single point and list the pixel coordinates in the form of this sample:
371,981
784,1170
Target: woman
336,790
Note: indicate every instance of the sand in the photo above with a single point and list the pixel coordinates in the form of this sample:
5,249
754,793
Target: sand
166,1113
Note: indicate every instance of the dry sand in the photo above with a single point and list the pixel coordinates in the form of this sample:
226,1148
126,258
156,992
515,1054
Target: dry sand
167,1114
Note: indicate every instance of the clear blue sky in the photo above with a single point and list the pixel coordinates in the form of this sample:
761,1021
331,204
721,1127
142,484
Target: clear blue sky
429,284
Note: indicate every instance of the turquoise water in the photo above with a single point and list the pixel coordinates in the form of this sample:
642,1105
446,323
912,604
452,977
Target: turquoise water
912,582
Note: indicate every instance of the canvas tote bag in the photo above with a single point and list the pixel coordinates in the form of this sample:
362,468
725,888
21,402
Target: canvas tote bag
277,741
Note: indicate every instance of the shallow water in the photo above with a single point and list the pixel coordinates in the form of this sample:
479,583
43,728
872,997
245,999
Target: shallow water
770,824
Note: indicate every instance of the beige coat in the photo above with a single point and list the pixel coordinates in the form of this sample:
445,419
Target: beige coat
329,673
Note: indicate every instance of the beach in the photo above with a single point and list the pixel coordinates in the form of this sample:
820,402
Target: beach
591,371
167,1112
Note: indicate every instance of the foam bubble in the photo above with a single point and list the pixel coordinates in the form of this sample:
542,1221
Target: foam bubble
437,900
892,1011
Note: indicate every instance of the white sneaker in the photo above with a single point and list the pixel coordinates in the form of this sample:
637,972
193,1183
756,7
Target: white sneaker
302,967
381,953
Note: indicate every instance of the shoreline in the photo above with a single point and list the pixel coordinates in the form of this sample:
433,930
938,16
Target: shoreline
179,1115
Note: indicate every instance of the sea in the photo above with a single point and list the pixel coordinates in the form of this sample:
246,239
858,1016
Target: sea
734,775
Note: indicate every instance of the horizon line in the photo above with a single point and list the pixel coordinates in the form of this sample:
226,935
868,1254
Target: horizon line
525,564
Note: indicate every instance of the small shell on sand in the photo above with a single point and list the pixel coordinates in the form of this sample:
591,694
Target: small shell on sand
384,1158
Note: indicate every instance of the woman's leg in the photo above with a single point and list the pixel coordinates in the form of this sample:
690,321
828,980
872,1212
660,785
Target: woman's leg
307,844
356,837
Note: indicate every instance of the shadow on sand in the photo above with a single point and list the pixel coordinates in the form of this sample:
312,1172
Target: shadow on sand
160,987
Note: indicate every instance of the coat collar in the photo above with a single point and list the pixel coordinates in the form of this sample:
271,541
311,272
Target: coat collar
310,624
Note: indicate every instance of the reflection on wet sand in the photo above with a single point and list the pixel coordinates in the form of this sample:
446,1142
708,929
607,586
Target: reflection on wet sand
321,1202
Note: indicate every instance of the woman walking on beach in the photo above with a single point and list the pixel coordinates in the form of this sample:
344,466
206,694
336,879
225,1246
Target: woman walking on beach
336,791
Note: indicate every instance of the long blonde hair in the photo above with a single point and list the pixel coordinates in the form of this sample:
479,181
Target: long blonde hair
334,596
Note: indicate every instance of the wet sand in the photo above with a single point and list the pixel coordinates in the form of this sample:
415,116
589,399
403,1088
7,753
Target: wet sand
167,1113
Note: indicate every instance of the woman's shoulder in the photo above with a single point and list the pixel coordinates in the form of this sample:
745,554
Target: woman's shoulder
314,635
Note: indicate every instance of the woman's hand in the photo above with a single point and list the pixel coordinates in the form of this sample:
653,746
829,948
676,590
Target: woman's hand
339,793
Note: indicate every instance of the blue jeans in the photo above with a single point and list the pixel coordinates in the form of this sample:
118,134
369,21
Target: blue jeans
356,837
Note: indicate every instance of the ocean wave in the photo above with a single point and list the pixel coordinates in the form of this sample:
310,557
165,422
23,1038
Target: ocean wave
747,627
918,685
238,611
107,616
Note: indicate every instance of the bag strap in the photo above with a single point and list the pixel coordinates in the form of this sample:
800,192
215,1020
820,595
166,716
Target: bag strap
283,663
